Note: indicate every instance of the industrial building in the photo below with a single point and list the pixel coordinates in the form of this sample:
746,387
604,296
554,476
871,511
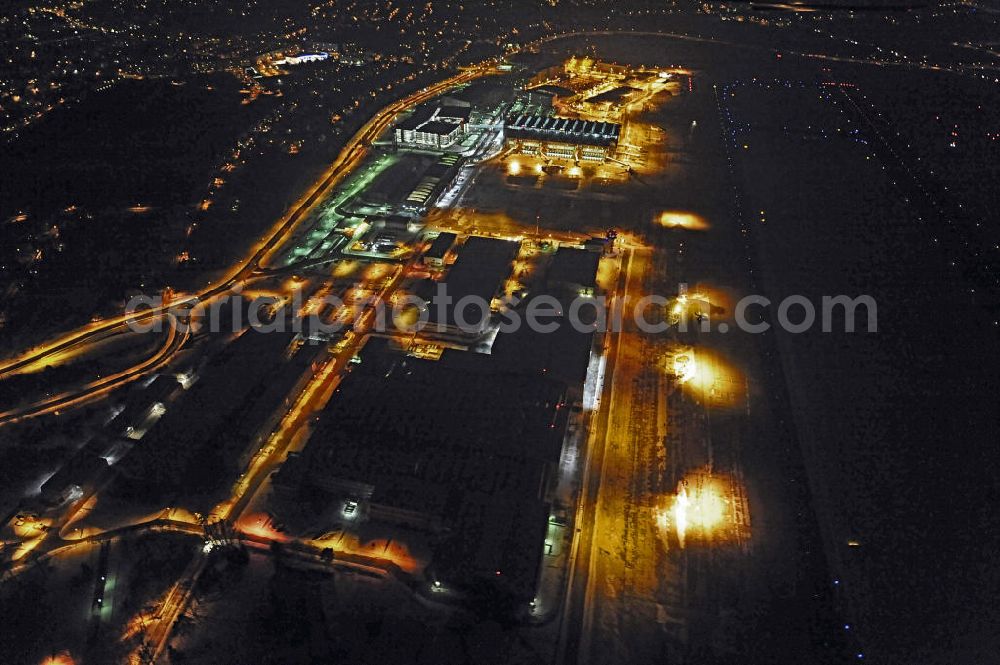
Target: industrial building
466,467
573,271
410,185
432,183
476,277
435,255
203,442
433,127
561,138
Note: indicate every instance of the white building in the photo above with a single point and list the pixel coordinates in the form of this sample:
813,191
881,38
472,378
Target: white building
434,126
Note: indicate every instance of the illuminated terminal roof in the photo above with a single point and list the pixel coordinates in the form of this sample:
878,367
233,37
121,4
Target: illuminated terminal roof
565,130
303,57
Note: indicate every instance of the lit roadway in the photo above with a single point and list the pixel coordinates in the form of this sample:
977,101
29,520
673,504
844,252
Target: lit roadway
615,573
295,423
296,420
291,430
74,397
294,427
310,401
348,159
353,152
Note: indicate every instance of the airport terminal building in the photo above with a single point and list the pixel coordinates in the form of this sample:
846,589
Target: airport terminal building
561,138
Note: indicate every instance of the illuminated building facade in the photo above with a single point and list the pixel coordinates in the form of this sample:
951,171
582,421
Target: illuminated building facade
433,127
561,138
301,58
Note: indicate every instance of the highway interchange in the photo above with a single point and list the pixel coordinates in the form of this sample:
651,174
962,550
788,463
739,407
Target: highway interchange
351,156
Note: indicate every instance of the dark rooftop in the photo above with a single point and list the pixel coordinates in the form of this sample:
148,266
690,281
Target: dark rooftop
199,442
480,270
471,447
613,95
573,267
441,245
441,127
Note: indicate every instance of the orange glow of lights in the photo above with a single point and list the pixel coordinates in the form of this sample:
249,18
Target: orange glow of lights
675,219
257,524
699,507
347,160
514,168
662,519
25,547
383,549
684,367
62,658
707,376
137,624
377,271
293,283
701,303
345,268
32,529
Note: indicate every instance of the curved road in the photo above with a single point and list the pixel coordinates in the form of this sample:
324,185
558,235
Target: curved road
348,159
99,388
